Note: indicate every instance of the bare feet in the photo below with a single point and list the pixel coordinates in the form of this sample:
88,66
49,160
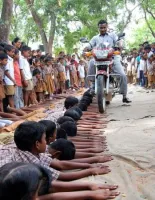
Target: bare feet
100,170
104,194
102,186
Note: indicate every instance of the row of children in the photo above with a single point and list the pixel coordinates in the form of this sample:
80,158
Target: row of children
141,67
77,147
28,77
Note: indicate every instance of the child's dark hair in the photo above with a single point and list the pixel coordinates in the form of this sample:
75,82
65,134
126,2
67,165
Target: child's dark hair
70,102
25,48
3,56
16,51
16,181
63,119
50,128
35,72
70,128
15,40
8,48
47,59
77,109
27,134
61,133
73,114
66,147
82,106
1,48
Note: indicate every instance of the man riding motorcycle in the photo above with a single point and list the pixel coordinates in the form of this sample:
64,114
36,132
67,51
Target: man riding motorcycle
111,38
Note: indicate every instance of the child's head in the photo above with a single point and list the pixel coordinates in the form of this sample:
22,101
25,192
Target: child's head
39,53
16,43
48,61
147,48
77,109
10,50
81,62
63,119
36,73
30,136
36,62
67,129
16,56
70,102
50,128
3,59
26,51
73,114
16,181
62,149
61,60
82,106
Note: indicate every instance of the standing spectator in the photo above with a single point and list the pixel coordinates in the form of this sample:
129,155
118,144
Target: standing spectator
134,67
129,70
18,98
3,63
48,70
142,69
149,53
9,77
77,57
81,73
26,75
62,74
17,44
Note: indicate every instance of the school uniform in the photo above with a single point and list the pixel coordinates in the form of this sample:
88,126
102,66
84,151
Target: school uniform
25,66
9,85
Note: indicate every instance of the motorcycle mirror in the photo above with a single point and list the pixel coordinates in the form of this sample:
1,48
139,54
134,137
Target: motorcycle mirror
84,40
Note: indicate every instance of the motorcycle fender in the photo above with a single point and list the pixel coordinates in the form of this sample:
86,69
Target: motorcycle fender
101,72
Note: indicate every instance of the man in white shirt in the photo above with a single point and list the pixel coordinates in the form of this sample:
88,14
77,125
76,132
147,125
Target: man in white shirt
81,73
9,78
26,75
110,38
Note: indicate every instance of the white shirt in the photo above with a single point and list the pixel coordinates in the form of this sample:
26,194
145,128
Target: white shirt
142,65
10,68
111,38
81,71
149,65
25,66
129,67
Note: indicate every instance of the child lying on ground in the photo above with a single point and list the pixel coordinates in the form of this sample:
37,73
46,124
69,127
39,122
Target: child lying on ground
15,177
30,140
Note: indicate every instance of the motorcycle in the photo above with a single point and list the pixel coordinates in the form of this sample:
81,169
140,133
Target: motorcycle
105,81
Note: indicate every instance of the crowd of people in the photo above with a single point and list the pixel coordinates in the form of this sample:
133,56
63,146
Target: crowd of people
140,65
28,77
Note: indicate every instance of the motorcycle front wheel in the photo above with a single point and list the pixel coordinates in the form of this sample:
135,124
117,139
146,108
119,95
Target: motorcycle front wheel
101,98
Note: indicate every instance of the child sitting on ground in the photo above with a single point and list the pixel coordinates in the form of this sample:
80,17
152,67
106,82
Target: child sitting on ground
30,147
15,177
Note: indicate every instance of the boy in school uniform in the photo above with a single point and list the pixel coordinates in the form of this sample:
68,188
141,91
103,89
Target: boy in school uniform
3,63
9,78
26,75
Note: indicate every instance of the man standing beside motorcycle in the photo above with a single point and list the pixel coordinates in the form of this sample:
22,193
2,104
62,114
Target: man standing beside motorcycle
117,68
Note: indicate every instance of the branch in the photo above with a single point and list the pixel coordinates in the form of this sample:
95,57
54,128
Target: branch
151,29
153,16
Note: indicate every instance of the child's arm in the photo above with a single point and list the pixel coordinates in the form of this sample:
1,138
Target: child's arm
68,165
59,186
70,176
82,195
95,159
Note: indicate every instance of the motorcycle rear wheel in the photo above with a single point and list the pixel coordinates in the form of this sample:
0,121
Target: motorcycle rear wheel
101,97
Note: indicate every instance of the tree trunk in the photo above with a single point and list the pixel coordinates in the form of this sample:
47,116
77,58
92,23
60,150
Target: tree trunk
39,24
5,22
52,32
